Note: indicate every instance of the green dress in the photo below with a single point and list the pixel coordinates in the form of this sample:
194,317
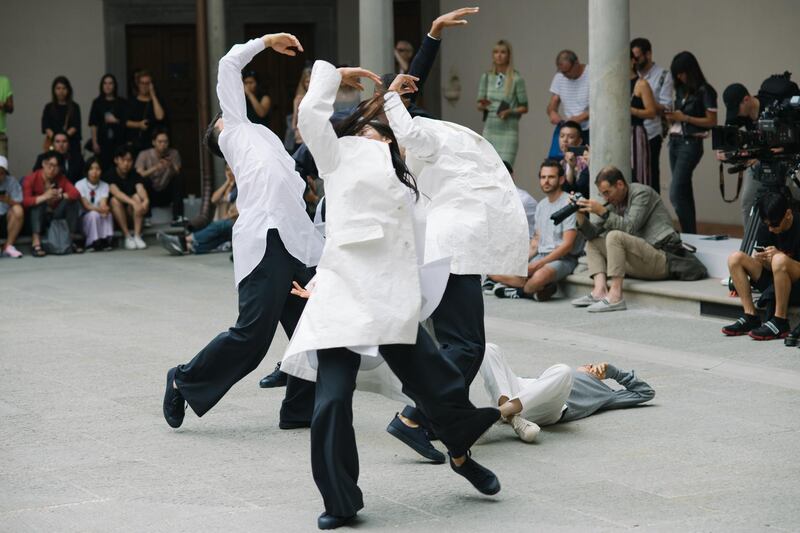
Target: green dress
503,134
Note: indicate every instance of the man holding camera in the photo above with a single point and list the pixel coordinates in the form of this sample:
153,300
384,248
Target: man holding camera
634,226
772,269
555,245
743,109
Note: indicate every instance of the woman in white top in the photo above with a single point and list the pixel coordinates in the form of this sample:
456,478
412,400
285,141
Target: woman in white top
96,221
367,293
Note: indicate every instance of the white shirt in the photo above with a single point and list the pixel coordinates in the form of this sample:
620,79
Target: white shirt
574,94
529,205
270,190
85,187
663,94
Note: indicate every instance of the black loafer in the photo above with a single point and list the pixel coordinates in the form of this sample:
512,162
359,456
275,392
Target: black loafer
416,439
293,425
481,477
793,338
275,379
174,404
328,521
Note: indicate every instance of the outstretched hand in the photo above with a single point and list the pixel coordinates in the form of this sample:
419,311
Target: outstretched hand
404,84
299,290
283,43
352,75
453,18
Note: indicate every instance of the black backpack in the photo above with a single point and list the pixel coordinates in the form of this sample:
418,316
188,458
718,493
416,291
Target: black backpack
777,88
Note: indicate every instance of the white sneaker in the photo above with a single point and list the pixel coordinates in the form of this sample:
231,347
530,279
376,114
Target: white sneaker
585,301
604,306
525,429
130,243
140,244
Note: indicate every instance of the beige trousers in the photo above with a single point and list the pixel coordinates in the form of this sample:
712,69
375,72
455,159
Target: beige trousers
620,254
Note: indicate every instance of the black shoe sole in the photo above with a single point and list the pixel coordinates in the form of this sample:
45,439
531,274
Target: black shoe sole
333,522
437,458
729,333
294,425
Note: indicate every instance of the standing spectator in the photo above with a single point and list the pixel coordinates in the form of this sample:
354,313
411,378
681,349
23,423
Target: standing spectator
292,138
6,108
160,166
570,89
107,121
62,115
71,162
145,112
257,101
554,249
502,99
49,195
10,209
694,115
660,82
219,232
403,53
96,221
643,106
128,197
575,165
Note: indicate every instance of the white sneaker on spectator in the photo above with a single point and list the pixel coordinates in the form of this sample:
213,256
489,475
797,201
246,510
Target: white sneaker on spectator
604,306
139,242
130,243
585,301
10,251
525,429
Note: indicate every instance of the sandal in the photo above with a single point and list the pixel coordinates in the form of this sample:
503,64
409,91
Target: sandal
38,251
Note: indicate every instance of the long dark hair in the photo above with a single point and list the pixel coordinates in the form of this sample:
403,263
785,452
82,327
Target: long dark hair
65,82
103,79
686,63
366,114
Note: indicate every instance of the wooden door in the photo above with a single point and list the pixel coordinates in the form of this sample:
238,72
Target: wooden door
278,73
169,53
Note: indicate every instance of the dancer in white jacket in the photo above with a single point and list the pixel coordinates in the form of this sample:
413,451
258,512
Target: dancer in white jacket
475,218
367,293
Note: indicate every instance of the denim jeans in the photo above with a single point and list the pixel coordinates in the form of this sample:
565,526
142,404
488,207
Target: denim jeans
684,155
208,238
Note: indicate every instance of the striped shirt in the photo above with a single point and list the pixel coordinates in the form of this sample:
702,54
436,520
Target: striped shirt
574,94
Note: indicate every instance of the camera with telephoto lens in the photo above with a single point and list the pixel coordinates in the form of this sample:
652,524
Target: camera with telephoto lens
572,207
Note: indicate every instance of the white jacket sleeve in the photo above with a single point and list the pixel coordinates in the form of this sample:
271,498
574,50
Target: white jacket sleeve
421,142
314,115
230,89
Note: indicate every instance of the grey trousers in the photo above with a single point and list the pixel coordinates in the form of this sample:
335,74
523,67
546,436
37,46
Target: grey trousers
40,215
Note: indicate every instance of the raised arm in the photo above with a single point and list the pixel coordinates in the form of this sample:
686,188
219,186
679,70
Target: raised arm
420,142
314,113
635,392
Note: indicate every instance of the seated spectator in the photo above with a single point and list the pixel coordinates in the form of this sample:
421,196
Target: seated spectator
576,166
773,269
49,195
631,239
554,249
217,233
62,115
96,221
528,202
128,197
10,209
160,166
72,161
145,112
559,394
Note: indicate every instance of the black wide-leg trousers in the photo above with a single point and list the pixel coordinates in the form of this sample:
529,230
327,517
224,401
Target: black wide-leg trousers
433,382
459,328
264,301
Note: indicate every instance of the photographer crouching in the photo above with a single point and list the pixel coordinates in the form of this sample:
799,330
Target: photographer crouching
634,238
772,269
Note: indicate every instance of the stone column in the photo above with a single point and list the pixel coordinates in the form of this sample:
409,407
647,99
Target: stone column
376,35
215,13
609,104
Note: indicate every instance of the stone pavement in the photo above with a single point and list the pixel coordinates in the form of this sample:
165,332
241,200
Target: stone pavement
86,342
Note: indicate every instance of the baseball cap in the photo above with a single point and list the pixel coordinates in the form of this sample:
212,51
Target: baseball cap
3,163
733,96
